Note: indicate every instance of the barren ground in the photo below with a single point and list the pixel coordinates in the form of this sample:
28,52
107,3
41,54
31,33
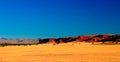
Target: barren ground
85,52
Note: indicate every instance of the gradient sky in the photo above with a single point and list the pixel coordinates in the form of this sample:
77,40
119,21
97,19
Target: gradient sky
58,18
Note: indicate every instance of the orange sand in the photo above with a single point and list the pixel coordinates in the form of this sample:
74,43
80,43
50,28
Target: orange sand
85,52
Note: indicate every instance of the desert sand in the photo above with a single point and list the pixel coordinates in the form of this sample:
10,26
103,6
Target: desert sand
83,52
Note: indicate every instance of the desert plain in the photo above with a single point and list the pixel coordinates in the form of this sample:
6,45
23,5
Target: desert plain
65,52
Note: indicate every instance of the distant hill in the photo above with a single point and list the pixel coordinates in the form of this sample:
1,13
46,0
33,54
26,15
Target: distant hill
83,38
90,38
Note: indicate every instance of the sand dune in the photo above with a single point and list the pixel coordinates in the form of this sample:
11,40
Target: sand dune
85,52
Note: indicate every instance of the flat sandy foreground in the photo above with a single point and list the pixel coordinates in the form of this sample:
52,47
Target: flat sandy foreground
85,52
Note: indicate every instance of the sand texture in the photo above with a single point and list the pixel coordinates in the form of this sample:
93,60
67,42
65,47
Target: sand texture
85,52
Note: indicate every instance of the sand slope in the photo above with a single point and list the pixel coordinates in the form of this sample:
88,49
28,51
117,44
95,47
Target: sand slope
85,52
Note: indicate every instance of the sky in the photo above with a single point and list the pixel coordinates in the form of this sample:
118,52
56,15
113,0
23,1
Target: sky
58,18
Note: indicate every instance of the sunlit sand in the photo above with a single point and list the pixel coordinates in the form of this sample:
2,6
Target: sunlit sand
68,52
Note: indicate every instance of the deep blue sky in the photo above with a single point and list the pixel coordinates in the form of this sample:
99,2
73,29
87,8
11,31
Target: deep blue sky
58,18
